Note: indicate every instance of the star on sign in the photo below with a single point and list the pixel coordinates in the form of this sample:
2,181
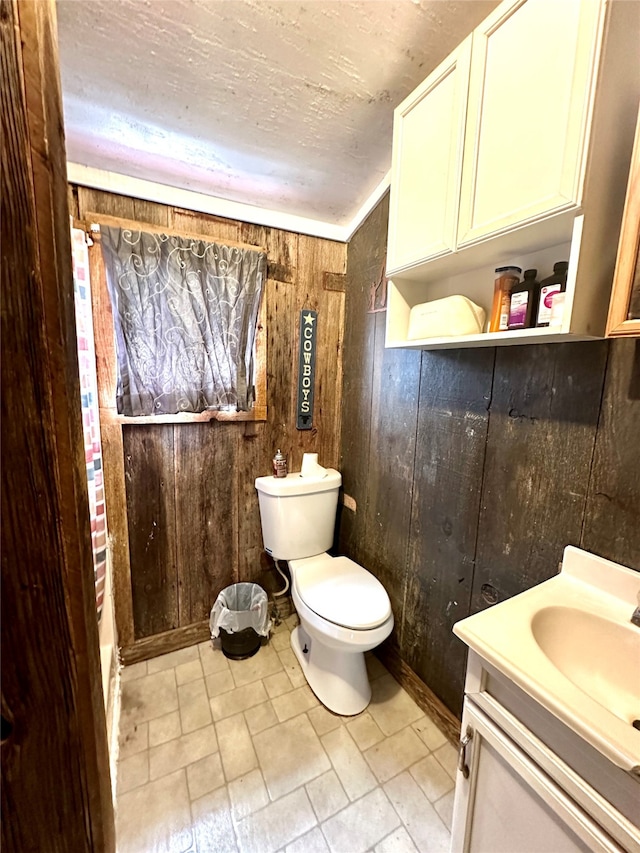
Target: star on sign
309,318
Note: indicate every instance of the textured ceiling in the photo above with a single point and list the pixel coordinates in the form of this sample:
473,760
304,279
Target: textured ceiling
284,105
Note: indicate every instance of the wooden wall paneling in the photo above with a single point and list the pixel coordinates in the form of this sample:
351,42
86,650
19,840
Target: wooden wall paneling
117,529
282,365
455,393
305,295
252,560
282,249
260,411
256,451
548,477
542,429
278,432
105,343
282,255
282,370
216,227
51,685
255,235
153,213
396,383
151,512
206,515
72,201
365,260
112,446
612,516
258,446
328,380
315,257
98,201
303,272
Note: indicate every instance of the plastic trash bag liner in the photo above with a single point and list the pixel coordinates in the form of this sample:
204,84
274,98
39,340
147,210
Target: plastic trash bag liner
240,606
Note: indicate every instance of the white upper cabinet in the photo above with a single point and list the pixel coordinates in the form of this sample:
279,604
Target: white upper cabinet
516,151
529,108
428,140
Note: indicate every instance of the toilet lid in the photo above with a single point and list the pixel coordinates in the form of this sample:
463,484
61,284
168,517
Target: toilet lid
343,592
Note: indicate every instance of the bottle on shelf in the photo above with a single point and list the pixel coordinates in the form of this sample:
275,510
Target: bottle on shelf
524,299
549,287
557,308
506,278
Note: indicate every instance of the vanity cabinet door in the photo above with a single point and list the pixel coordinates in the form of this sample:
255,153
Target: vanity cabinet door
508,803
428,137
528,119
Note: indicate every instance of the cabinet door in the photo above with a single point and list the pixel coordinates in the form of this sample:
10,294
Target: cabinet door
508,803
428,137
530,102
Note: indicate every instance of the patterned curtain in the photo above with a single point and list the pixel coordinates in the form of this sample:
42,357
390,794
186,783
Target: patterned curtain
90,421
185,314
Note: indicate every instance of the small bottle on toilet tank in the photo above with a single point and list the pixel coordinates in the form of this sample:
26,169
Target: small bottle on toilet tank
279,464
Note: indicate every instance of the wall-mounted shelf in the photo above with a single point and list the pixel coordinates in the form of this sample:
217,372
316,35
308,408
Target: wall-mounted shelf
549,335
583,295
469,193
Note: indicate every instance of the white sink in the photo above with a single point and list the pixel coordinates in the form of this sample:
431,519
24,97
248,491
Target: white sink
569,643
599,656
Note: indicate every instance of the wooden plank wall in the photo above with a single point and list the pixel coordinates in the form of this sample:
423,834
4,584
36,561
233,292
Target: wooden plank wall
192,515
472,469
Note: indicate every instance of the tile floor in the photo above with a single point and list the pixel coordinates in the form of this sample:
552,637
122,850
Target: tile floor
220,756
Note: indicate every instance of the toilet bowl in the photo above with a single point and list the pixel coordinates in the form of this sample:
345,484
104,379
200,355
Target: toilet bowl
344,610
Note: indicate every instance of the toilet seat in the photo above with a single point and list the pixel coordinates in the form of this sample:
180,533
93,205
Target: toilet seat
341,591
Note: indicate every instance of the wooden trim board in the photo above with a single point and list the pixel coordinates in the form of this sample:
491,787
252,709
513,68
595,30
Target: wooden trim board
161,644
135,225
628,259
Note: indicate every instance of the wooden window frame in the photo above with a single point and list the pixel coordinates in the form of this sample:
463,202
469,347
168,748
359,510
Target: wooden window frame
105,345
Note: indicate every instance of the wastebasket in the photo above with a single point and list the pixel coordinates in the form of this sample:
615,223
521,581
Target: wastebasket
240,618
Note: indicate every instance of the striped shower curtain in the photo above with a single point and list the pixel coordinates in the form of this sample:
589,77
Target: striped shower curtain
90,420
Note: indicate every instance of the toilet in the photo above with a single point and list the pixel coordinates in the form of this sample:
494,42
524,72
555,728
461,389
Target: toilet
344,610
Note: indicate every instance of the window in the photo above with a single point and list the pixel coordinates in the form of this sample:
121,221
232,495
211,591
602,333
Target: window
186,320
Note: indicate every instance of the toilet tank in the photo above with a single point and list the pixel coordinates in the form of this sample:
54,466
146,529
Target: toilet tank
298,514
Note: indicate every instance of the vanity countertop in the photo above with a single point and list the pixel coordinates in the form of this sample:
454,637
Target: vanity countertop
569,644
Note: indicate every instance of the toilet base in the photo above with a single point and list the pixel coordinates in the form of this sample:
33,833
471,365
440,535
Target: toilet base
337,677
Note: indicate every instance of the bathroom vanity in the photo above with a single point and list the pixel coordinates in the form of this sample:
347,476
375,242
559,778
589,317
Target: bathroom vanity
549,759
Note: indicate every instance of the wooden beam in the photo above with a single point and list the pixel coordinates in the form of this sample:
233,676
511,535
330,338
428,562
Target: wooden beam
147,227
56,792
